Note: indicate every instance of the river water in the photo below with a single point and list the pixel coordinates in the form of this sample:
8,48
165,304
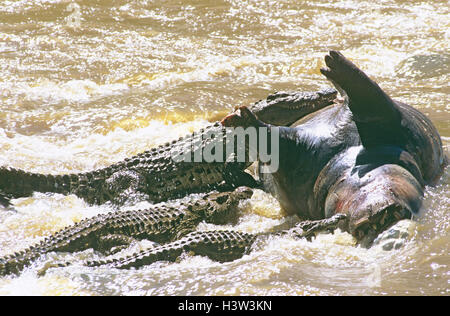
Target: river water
87,83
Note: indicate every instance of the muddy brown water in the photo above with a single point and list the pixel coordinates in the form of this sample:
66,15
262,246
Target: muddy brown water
84,84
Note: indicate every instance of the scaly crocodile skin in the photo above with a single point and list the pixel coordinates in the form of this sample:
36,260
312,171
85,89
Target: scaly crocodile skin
153,175
161,224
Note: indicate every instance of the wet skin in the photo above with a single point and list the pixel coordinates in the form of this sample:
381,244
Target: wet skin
368,157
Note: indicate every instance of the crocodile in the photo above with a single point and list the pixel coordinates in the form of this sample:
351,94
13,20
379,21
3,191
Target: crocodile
109,233
218,245
155,175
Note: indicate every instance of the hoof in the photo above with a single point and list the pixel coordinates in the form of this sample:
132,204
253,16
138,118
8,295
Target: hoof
341,71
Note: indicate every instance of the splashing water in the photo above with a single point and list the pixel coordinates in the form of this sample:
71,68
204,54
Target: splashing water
82,91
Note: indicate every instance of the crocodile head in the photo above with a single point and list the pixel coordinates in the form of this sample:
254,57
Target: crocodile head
286,108
223,206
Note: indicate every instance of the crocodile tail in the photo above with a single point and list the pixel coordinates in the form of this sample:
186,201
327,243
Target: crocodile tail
15,263
17,183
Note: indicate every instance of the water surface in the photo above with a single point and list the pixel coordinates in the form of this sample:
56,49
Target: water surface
87,84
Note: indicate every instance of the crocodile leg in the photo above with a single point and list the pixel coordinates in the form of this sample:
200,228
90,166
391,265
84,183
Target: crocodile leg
126,187
113,243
